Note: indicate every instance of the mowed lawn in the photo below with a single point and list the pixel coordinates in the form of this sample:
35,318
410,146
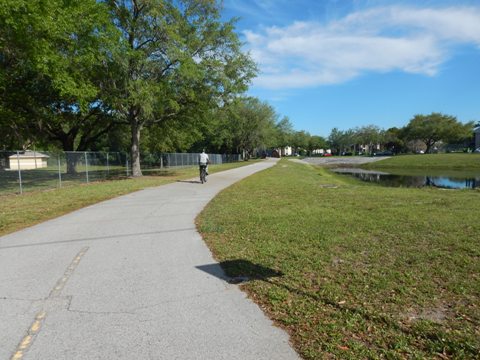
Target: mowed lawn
452,161
353,270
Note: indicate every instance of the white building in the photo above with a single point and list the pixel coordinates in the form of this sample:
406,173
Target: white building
286,151
28,160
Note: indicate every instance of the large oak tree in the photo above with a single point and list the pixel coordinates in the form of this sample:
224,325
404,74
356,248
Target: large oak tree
436,127
178,61
55,57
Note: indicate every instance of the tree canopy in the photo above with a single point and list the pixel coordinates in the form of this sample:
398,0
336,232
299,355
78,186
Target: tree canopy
436,127
178,60
54,59
73,71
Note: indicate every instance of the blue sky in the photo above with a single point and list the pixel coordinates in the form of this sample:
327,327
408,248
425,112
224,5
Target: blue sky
349,63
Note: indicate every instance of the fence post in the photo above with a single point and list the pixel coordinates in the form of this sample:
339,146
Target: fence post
128,174
108,166
86,164
161,161
19,172
59,172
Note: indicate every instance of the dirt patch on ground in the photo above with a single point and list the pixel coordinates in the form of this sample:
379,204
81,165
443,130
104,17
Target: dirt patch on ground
437,314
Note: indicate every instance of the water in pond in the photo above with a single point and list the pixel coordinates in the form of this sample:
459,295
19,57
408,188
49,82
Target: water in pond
387,179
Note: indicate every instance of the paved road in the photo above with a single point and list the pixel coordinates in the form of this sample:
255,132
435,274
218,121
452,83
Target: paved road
129,278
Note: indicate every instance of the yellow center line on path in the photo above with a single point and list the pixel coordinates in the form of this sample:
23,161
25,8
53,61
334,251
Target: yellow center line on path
36,326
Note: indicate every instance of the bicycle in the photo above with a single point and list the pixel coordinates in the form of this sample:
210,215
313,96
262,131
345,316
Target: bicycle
203,173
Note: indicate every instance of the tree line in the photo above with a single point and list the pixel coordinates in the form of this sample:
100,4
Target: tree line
150,75
116,74
131,75
422,132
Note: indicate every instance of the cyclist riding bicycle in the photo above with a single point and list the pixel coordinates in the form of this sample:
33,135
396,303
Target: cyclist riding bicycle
203,161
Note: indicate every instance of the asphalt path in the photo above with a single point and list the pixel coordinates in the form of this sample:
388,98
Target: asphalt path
129,278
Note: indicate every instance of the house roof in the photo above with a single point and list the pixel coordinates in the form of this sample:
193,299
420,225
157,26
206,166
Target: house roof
477,130
30,154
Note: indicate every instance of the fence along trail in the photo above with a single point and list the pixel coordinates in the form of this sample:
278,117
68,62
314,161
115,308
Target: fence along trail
22,171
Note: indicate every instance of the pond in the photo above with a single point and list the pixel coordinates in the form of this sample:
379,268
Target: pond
461,180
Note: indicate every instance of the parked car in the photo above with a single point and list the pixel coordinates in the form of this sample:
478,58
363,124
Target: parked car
327,154
477,150
383,153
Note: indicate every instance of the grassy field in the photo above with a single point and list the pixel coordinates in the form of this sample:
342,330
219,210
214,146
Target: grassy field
467,162
20,211
352,270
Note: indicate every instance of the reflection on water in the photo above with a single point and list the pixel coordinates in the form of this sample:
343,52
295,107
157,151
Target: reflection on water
386,179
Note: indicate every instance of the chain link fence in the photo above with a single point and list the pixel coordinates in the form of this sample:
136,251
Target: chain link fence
22,171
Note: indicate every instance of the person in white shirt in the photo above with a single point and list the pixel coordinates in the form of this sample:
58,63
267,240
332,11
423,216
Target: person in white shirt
203,161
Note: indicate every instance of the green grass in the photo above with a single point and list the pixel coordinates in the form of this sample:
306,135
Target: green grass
48,178
468,162
352,270
20,211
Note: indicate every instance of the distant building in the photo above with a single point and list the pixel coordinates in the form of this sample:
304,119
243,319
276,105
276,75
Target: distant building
28,160
286,151
275,153
321,152
476,131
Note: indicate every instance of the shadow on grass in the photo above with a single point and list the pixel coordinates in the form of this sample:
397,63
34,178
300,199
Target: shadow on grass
238,271
159,172
243,271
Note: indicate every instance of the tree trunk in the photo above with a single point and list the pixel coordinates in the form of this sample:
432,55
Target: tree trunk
135,149
71,157
429,145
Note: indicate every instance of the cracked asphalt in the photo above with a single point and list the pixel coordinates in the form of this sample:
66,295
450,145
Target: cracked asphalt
126,279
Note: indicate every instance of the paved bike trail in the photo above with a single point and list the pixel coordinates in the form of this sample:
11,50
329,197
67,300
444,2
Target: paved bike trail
129,278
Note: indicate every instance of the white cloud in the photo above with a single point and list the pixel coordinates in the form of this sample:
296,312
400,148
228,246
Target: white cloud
380,40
